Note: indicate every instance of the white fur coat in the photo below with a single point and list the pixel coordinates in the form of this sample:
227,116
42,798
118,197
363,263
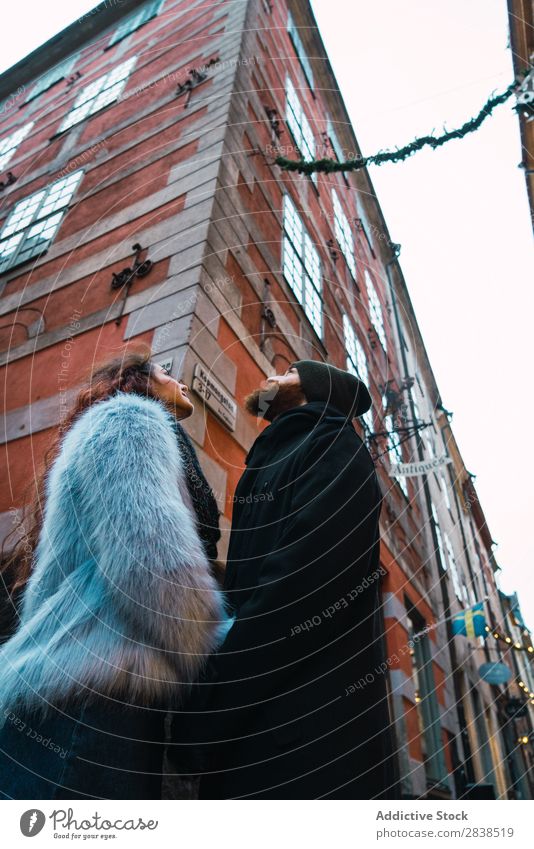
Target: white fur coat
121,600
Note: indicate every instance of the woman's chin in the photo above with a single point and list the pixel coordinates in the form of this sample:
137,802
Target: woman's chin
184,409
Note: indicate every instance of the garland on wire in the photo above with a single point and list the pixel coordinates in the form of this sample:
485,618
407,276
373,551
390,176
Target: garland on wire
327,166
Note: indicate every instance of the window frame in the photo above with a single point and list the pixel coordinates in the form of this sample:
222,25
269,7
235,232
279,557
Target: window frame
299,126
305,253
40,200
296,41
453,568
146,13
343,234
375,307
439,537
22,133
394,450
51,77
357,365
112,83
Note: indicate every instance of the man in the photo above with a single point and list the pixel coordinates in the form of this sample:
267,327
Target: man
294,705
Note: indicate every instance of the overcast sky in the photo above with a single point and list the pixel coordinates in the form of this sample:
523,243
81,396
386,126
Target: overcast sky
460,213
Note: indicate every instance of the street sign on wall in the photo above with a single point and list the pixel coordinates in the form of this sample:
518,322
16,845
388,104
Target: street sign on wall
214,396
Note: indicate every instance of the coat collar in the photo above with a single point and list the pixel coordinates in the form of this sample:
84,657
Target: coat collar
301,420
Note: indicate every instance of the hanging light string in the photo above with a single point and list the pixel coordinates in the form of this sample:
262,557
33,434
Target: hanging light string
504,638
328,166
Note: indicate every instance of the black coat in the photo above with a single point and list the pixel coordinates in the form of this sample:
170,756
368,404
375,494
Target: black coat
284,692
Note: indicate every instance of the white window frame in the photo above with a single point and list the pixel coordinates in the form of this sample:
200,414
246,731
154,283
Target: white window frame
357,364
51,77
439,538
135,20
454,568
100,93
294,35
299,125
301,265
34,221
445,488
366,227
343,234
10,143
332,135
394,449
376,314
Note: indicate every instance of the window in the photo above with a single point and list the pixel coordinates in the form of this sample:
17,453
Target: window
133,22
439,539
299,125
417,414
302,265
454,569
34,221
299,48
98,94
332,135
338,150
343,234
426,702
445,491
357,363
9,145
366,227
394,449
51,77
375,310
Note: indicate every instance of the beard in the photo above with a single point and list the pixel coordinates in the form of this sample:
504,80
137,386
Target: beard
269,403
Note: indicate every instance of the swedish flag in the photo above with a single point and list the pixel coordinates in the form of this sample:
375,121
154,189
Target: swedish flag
470,623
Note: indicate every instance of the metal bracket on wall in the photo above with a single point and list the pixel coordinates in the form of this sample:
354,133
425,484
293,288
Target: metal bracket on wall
126,277
9,180
196,76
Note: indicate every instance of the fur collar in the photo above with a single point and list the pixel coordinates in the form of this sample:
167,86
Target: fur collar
121,601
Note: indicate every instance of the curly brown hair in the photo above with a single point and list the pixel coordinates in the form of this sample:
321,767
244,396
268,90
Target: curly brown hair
129,372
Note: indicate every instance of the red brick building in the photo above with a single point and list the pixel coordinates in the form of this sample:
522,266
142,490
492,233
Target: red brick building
156,125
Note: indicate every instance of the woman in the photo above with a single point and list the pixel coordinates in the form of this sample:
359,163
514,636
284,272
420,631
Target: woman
120,610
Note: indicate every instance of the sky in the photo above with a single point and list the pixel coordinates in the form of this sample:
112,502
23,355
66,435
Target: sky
462,217
460,214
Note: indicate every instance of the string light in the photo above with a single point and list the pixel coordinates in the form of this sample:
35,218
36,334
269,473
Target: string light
508,640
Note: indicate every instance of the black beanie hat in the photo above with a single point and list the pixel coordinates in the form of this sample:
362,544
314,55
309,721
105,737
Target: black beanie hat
325,382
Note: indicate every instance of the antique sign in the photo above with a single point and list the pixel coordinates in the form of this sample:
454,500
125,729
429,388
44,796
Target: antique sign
410,470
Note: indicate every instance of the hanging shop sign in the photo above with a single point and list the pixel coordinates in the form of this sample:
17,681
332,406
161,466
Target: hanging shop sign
214,396
411,470
494,673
